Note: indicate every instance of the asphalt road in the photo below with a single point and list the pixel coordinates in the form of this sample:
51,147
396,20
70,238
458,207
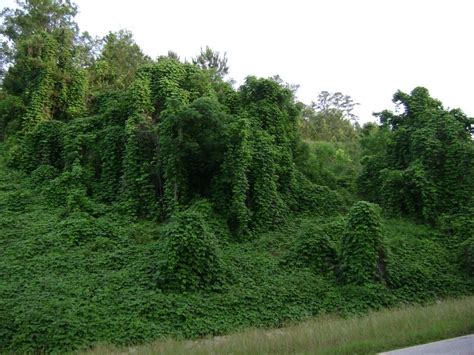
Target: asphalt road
455,346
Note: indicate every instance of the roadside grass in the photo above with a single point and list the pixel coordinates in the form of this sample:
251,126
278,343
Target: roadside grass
374,332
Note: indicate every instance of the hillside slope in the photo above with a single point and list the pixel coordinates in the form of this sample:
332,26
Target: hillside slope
71,279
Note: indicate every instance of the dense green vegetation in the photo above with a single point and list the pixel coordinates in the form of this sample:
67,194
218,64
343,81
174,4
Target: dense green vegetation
146,198
426,165
370,333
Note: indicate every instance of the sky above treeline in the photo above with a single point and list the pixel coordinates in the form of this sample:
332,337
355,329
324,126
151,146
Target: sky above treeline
367,49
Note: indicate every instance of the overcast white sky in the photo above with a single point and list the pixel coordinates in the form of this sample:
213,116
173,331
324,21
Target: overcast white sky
366,48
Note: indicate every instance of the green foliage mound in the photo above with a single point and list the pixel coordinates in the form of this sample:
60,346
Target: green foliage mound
192,254
81,228
316,246
42,145
419,260
362,249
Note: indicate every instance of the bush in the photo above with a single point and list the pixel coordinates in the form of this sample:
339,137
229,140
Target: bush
192,256
81,228
458,233
18,200
215,222
421,264
69,189
362,252
316,247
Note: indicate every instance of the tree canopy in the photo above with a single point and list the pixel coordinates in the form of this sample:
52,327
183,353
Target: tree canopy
212,60
425,166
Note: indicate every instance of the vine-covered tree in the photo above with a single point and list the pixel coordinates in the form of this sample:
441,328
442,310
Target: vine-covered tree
362,249
118,62
42,39
427,162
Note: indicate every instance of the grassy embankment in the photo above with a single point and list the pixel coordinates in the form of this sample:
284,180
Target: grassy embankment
368,334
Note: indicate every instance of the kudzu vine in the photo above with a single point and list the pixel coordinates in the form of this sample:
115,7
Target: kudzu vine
428,161
362,249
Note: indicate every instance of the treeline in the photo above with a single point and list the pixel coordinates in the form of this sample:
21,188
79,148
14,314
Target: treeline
100,123
97,118
150,197
153,136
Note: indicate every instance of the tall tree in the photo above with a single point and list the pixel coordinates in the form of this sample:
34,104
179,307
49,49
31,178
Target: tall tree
330,118
118,62
31,18
41,39
427,163
328,102
209,59
329,126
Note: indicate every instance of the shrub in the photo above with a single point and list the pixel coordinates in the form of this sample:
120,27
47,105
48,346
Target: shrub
316,247
458,230
192,256
362,252
81,228
315,198
69,189
420,267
